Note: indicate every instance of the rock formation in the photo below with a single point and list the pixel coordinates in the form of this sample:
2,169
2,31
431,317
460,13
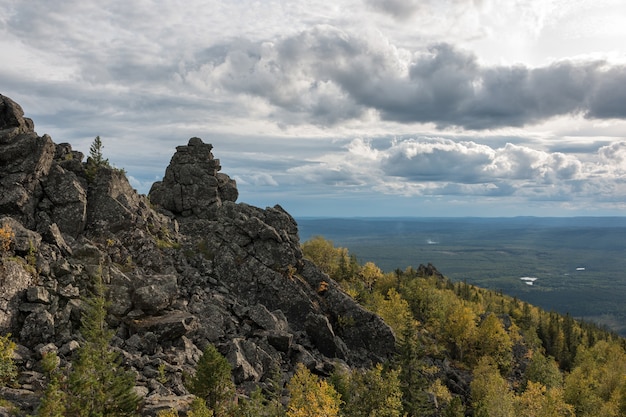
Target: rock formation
185,267
192,184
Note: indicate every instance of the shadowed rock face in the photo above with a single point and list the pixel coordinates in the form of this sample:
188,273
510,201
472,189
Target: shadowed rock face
187,268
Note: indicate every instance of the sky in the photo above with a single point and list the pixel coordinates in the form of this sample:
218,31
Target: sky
341,108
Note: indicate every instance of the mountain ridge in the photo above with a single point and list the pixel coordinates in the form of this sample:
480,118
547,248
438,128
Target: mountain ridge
185,267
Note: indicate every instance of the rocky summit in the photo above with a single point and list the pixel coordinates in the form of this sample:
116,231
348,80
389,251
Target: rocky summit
184,267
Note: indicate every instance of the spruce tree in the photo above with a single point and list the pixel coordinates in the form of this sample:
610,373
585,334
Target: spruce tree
212,381
95,153
412,377
98,385
96,159
54,398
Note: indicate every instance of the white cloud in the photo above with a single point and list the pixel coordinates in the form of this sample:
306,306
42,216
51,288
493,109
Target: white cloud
485,98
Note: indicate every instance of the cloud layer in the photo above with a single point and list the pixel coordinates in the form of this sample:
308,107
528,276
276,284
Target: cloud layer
327,76
437,166
452,102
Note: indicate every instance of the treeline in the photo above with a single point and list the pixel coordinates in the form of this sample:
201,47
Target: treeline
519,360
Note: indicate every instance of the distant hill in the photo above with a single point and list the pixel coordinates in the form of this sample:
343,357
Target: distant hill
496,252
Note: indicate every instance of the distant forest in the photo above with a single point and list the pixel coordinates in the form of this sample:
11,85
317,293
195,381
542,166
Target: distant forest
579,263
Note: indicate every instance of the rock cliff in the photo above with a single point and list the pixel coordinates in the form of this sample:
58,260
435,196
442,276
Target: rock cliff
184,267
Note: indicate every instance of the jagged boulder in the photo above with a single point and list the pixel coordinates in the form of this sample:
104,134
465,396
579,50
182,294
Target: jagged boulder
12,120
155,293
192,185
113,204
25,159
14,279
68,200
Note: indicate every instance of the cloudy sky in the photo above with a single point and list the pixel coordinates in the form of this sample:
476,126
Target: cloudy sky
341,107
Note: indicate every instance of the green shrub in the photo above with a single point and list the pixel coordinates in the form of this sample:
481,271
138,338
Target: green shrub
8,370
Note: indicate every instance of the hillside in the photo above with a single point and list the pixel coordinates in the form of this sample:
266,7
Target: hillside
166,292
184,268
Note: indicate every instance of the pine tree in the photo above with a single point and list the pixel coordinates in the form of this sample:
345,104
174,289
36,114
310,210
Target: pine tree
96,159
95,153
54,398
212,381
98,385
413,380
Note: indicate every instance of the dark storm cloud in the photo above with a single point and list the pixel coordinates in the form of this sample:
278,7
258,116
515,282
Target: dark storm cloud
608,98
329,76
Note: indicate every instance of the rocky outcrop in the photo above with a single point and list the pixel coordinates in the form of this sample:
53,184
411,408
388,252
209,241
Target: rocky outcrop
25,159
192,185
187,267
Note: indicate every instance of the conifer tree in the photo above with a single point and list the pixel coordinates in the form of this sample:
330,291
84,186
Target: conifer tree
95,153
96,159
54,398
213,382
413,381
98,385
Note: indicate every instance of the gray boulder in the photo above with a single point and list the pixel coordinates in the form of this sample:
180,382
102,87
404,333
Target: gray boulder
12,120
69,200
14,279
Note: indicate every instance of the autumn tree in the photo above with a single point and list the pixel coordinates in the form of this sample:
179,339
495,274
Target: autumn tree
310,396
427,303
322,253
369,274
544,370
440,395
593,387
491,395
6,237
372,392
393,309
493,340
539,401
459,329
